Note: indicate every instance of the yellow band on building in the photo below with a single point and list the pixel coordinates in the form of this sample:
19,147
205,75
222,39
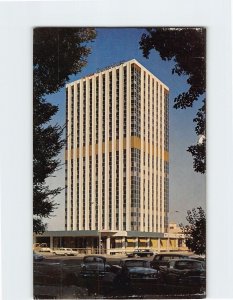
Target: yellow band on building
135,142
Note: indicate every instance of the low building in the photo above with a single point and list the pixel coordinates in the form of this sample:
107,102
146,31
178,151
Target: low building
106,242
175,232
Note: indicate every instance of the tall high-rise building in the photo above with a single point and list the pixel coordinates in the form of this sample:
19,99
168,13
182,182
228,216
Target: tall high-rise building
117,159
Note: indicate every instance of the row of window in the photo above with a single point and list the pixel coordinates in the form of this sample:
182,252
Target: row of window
135,109
135,129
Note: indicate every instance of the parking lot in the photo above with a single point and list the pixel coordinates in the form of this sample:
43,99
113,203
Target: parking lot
58,277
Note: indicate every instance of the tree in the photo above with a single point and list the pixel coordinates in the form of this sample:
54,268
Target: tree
195,231
187,48
57,53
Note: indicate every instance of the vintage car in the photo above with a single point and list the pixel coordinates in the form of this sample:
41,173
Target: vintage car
134,272
37,257
94,266
198,257
162,259
141,253
44,248
65,251
187,274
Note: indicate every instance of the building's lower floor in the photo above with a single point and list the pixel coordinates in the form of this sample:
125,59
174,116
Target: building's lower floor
109,242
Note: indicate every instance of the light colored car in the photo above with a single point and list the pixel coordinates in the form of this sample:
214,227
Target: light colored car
44,248
141,253
65,251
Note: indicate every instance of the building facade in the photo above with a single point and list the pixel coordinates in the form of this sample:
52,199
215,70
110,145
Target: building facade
117,152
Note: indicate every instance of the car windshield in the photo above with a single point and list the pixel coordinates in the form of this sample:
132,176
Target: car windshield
92,259
136,263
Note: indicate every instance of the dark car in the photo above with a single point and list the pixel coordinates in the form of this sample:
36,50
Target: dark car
37,257
94,266
184,273
141,253
135,272
198,257
163,259
96,274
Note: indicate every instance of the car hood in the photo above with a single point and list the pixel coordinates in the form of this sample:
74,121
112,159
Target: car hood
94,266
192,271
142,270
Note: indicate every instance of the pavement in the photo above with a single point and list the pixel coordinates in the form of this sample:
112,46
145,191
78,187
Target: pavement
52,281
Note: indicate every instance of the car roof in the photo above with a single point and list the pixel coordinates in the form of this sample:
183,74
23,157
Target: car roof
174,254
134,259
187,260
197,257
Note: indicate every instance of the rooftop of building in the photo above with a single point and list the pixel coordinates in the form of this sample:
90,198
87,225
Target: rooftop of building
116,65
83,233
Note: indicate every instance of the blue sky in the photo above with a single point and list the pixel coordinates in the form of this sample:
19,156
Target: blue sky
187,188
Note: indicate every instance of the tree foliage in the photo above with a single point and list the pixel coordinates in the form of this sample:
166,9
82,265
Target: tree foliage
195,231
198,151
187,48
57,53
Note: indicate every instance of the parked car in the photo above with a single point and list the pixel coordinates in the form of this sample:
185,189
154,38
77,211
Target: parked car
65,251
162,259
135,272
44,248
141,253
94,266
37,257
184,273
198,257
97,275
